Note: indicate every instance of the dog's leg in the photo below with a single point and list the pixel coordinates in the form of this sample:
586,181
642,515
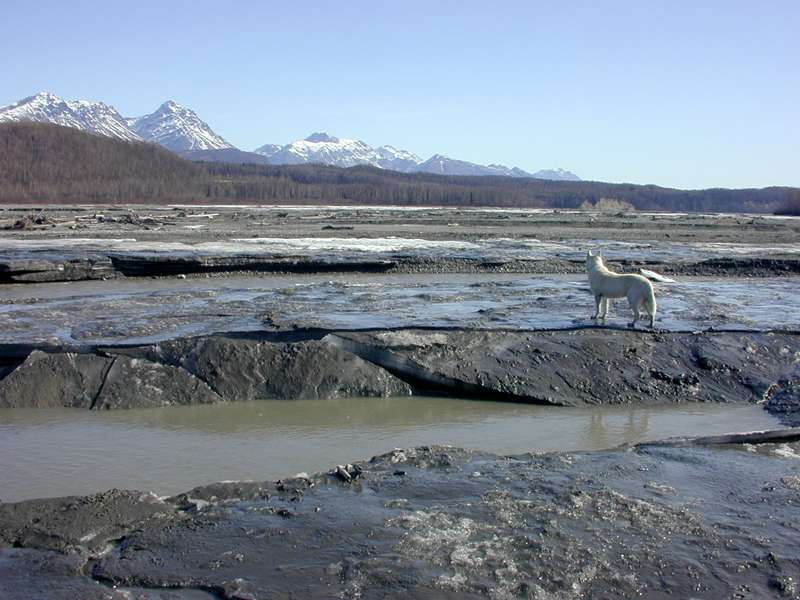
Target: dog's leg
606,304
598,301
635,309
651,310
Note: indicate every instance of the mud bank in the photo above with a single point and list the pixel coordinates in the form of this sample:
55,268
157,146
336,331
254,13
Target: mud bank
714,519
56,266
585,366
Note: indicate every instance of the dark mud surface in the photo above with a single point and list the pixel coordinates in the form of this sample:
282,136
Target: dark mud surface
578,367
682,520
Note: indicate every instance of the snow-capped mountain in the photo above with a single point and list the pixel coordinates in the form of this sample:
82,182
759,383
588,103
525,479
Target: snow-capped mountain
268,149
396,159
94,117
339,152
331,150
172,125
443,165
178,128
556,174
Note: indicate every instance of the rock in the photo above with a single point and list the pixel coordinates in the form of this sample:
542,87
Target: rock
346,473
66,268
46,380
61,524
138,383
97,382
784,402
240,369
583,366
342,473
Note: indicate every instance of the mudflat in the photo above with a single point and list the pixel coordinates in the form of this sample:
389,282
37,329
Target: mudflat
151,307
74,243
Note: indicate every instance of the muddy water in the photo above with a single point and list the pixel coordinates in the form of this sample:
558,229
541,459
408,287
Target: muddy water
143,311
169,450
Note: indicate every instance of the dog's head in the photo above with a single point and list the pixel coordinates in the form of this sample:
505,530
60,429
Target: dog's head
593,260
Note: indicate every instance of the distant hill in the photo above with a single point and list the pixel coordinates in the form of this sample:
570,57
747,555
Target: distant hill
49,163
43,162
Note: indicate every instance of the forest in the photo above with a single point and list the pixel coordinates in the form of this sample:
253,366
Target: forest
44,163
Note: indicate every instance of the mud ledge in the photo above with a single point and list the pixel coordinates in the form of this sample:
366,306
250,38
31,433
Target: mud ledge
53,267
572,367
654,520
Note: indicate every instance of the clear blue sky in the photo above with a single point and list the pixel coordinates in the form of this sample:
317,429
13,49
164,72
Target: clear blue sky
685,94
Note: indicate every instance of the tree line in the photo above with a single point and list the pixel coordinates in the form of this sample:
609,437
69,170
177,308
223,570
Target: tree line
41,163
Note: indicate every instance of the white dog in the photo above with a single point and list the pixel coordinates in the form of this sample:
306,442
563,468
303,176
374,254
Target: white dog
606,284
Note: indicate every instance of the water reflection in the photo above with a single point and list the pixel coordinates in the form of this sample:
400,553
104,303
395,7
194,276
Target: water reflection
634,426
168,450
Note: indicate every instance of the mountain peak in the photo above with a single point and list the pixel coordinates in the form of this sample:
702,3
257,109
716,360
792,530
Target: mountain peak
171,105
322,137
556,174
178,128
43,95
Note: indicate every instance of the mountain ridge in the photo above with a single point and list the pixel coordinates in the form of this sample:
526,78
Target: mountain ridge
323,148
180,129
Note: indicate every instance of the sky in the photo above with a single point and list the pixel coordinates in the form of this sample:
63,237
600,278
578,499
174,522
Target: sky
684,94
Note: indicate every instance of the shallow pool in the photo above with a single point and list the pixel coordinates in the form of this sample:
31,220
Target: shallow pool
168,450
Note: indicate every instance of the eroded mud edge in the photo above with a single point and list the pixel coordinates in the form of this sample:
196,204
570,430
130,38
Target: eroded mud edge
700,518
572,367
71,267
